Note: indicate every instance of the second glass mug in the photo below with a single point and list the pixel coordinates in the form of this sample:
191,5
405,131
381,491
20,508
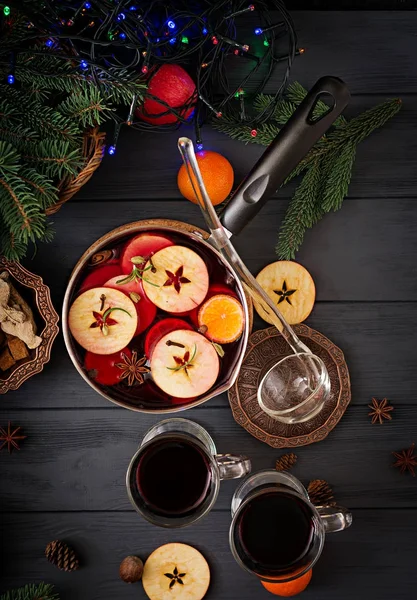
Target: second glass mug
173,480
276,532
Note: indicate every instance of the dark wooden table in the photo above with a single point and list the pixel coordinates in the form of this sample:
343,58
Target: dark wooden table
68,480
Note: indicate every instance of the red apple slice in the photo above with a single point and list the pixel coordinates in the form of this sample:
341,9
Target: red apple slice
214,289
145,245
160,329
99,276
145,309
177,280
103,320
184,364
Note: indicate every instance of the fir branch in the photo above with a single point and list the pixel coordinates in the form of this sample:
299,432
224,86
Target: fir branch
337,167
87,106
19,209
301,214
42,591
54,159
42,187
327,167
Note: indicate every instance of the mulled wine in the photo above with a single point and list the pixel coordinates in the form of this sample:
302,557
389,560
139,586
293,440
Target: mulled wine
173,477
170,360
274,532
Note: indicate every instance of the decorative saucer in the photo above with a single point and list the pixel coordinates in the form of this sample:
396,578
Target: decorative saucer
265,348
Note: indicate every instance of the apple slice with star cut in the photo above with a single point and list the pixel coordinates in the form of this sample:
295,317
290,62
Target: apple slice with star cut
103,320
184,364
176,279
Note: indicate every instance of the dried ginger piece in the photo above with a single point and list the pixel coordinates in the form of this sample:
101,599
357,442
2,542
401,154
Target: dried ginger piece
16,316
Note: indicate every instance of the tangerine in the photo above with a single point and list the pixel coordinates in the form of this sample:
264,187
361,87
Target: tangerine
224,318
290,588
217,174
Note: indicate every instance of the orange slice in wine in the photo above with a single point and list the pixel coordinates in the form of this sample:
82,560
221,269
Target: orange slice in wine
223,317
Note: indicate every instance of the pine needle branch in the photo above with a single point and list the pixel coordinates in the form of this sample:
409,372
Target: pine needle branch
43,591
327,167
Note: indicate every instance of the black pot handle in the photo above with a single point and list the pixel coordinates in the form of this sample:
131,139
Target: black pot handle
291,145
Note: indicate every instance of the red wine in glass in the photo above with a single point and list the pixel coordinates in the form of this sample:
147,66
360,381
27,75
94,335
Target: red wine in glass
274,532
173,477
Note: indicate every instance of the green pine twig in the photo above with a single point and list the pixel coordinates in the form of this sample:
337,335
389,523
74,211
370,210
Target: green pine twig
42,591
327,167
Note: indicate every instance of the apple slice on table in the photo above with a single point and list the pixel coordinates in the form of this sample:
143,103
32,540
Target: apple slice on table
103,320
184,364
142,246
99,276
145,309
161,328
176,280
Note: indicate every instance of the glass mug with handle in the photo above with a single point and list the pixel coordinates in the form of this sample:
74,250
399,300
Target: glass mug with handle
276,532
173,480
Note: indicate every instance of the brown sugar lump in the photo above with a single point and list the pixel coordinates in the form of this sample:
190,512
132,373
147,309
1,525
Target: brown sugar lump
6,360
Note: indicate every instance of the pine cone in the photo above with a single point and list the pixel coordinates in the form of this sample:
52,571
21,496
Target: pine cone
62,556
320,492
286,462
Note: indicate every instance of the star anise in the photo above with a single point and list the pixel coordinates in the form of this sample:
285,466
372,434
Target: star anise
184,362
175,577
133,369
176,279
380,411
406,460
104,321
10,438
284,294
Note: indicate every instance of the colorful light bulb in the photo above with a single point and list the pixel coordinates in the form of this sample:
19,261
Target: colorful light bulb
172,41
184,39
121,16
171,24
122,35
214,40
204,32
133,8
258,31
111,150
254,133
84,64
6,11
219,115
245,47
87,5
144,69
10,79
266,43
251,7
199,147
49,43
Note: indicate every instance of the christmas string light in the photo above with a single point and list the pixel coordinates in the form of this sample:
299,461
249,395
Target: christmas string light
121,39
6,11
261,30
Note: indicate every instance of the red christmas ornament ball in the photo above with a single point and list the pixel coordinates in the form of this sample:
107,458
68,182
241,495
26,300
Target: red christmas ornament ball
172,85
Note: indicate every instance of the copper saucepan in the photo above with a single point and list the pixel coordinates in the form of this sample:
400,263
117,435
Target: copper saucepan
290,146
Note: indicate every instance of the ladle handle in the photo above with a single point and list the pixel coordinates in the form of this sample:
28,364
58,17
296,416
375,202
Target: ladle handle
291,145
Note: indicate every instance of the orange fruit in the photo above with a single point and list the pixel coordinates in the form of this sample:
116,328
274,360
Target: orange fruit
217,174
224,318
291,588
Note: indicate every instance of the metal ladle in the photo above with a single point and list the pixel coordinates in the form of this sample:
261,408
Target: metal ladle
296,387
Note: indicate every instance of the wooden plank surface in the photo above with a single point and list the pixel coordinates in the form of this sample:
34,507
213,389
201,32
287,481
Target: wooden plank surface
77,459
378,340
364,252
394,147
68,480
365,562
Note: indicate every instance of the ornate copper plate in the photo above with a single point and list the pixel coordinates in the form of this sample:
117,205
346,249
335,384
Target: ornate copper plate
267,346
38,297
